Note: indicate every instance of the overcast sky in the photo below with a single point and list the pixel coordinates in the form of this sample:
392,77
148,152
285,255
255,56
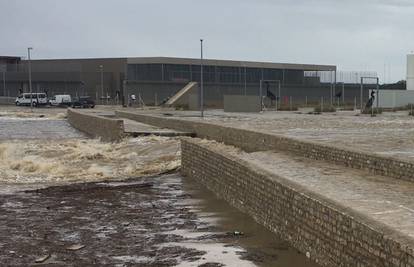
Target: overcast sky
354,35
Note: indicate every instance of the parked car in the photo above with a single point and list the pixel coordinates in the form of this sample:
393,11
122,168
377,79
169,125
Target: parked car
83,102
61,100
36,98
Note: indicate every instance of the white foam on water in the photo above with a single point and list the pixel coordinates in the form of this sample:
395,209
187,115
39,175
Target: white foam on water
74,160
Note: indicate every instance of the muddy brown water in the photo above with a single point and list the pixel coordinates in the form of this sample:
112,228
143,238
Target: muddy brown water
262,247
154,221
163,220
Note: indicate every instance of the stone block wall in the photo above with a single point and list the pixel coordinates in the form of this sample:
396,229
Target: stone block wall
250,141
97,126
329,233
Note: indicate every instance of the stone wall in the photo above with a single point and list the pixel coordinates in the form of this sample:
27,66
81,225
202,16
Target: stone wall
250,141
327,232
97,126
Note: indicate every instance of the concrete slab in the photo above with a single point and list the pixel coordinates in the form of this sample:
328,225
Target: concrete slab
40,128
137,129
382,199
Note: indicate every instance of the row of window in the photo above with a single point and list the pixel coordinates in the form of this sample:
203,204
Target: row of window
170,72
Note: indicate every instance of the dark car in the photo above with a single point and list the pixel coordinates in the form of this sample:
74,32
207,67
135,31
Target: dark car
83,102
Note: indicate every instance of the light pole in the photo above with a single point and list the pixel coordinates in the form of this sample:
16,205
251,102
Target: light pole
30,78
4,82
245,81
201,81
102,90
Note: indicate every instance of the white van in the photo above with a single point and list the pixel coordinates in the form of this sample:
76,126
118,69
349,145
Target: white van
36,98
60,100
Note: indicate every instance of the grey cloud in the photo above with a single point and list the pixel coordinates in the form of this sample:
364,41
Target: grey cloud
355,35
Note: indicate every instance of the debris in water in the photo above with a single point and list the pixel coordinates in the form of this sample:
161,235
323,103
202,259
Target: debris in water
236,233
42,258
76,247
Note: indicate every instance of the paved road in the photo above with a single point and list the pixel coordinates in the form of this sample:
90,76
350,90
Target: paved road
30,128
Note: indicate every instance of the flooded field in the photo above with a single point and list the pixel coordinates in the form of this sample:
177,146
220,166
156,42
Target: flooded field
389,134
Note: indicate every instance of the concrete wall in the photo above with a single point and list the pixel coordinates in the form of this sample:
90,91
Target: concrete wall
193,100
250,140
214,92
394,98
107,128
241,103
331,234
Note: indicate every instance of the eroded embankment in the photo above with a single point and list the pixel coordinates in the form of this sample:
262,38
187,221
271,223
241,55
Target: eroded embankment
74,160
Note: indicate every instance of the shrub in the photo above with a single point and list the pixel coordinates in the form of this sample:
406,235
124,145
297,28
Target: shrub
287,108
372,111
181,107
325,109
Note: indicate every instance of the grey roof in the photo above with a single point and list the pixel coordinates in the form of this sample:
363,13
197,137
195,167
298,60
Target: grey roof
229,63
207,62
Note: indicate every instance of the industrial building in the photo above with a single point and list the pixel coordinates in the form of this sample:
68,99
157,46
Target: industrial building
155,79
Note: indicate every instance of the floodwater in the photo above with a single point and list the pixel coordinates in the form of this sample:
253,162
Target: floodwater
163,220
261,246
77,201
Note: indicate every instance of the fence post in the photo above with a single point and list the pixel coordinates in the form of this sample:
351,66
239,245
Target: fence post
321,104
355,103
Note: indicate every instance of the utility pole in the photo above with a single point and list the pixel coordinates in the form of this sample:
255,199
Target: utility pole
361,89
201,81
4,82
245,81
30,78
102,90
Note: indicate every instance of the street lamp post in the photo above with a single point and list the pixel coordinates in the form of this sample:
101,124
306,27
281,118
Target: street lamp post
201,81
102,90
30,78
4,82
245,81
